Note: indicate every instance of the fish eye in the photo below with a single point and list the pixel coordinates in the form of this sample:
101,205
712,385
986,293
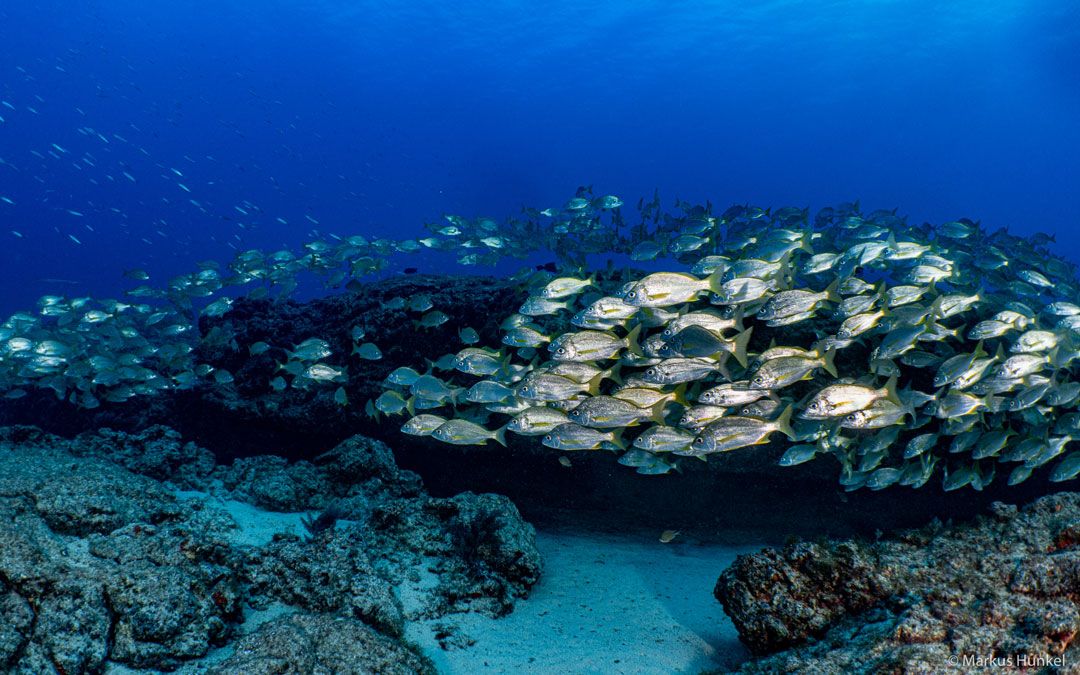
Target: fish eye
560,350
547,438
699,441
631,294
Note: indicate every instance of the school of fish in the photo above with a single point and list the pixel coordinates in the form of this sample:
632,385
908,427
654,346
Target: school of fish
904,352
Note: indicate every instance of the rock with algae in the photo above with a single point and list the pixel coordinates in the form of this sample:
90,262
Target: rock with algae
1006,586
103,566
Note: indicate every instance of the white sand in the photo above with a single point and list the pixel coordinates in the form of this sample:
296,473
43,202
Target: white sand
605,604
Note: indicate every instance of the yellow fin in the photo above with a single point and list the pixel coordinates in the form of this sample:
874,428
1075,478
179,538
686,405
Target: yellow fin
783,423
632,341
829,362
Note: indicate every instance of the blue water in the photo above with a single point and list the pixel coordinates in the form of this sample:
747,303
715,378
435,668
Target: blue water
374,117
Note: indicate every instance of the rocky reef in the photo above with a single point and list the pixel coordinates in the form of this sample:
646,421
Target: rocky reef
1003,590
139,550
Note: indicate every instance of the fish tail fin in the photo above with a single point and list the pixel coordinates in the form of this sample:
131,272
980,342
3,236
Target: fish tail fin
632,341
656,412
1055,359
783,423
829,362
716,281
680,395
594,384
410,406
831,294
500,435
979,350
738,349
721,367
935,306
371,411
613,373
979,481
739,313
890,390
617,439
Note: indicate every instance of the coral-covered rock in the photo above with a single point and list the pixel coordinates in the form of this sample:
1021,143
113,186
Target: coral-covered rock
494,551
326,574
102,565
777,599
157,452
1006,586
274,483
321,644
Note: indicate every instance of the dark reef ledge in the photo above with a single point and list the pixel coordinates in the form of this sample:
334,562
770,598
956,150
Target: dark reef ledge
739,492
932,600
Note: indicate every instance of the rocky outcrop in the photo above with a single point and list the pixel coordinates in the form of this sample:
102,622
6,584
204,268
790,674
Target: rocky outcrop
938,599
104,562
778,598
320,644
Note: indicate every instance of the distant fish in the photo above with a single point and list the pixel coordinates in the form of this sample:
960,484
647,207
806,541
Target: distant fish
66,282
668,536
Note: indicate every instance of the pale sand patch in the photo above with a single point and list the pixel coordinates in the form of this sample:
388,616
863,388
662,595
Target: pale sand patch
605,604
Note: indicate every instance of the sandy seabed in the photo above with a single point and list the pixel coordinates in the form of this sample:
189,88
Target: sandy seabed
605,604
